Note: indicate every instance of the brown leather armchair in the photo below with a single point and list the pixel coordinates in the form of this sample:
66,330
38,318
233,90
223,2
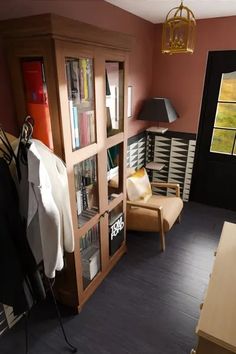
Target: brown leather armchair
158,214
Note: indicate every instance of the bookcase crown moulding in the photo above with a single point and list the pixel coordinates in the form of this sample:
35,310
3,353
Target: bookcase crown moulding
60,27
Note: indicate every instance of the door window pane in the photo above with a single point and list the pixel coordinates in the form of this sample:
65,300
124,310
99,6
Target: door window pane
227,88
222,141
85,174
226,115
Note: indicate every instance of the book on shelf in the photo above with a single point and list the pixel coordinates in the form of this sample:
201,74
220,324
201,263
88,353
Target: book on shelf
84,129
72,124
75,90
83,79
86,79
79,202
108,91
68,80
91,126
76,127
110,161
90,79
109,122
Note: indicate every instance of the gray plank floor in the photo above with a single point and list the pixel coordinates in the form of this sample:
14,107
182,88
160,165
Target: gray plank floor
149,304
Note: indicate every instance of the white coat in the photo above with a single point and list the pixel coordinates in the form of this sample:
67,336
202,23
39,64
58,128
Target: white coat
49,224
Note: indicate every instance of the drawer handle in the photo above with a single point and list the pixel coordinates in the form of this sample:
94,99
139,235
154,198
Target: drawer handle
201,306
215,253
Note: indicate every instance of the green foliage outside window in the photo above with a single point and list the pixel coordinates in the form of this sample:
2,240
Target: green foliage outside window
223,139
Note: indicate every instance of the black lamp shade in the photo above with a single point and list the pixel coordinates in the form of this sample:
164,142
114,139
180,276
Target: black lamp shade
159,110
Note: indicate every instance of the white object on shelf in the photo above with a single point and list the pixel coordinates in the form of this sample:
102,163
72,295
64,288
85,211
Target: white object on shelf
112,173
90,261
155,166
157,130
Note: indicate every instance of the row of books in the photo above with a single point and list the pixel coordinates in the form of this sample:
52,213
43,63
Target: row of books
85,173
90,238
86,215
80,82
86,199
82,126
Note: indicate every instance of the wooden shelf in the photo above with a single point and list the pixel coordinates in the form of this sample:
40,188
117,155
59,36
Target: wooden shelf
155,166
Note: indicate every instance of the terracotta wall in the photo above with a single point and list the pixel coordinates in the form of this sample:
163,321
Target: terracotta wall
181,77
98,13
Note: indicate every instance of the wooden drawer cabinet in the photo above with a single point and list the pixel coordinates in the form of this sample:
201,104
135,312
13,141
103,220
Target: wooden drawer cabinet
216,328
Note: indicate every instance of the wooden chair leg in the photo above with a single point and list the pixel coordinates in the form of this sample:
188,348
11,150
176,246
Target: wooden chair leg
161,225
163,243
179,219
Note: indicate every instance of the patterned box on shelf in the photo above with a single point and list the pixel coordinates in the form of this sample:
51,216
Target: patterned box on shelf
116,233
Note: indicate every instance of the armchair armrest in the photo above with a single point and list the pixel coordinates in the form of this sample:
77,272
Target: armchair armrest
167,185
145,205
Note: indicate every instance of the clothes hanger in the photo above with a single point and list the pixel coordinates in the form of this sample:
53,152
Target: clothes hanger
27,129
25,137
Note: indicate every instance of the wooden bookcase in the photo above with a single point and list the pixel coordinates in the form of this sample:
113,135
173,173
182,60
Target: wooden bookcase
85,71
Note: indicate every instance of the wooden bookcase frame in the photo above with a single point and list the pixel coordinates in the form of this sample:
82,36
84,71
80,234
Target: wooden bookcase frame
55,38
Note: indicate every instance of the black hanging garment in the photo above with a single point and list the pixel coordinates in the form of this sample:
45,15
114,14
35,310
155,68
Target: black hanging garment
20,283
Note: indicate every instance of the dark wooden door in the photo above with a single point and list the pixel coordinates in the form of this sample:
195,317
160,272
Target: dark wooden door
214,174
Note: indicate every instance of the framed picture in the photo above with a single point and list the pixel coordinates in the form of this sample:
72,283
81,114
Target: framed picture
129,105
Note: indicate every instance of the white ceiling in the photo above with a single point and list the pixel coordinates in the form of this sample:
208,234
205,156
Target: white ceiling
155,11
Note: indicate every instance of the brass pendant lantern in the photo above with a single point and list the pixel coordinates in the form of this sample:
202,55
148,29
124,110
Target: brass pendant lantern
178,34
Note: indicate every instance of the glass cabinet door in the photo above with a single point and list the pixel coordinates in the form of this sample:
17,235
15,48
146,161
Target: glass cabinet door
80,89
114,75
86,189
115,171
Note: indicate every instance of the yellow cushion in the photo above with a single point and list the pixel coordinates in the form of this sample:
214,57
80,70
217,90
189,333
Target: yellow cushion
141,219
138,186
114,181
